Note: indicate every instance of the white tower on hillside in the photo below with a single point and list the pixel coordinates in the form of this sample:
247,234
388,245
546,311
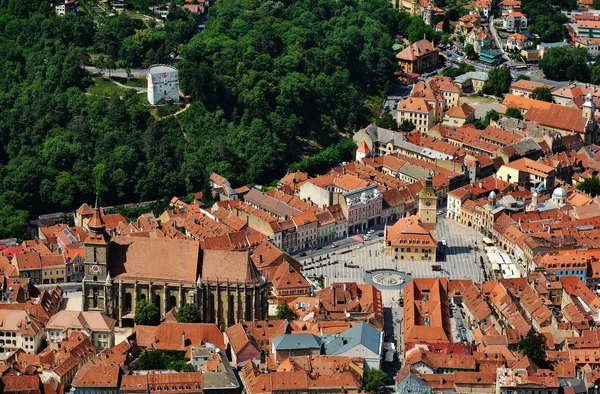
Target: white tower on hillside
163,85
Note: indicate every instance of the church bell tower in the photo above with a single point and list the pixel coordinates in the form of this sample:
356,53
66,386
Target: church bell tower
96,289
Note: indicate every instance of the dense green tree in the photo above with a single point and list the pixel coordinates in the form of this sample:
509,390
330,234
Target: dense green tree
470,51
285,312
454,72
595,74
490,115
417,30
446,23
499,81
162,359
542,93
387,122
146,314
596,4
407,125
189,313
375,379
566,63
534,346
514,112
590,186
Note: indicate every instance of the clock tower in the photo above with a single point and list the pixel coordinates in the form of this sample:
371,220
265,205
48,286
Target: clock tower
96,295
428,203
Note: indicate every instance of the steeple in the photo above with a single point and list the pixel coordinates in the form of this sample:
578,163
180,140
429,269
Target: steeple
589,108
96,223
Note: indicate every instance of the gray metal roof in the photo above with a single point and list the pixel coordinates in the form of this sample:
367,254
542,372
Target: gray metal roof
361,334
478,75
270,204
161,69
526,146
297,341
412,384
385,136
414,171
555,44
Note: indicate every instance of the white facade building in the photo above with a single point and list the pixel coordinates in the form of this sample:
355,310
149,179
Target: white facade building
67,7
163,85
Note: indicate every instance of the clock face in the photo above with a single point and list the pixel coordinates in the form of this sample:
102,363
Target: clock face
95,268
427,203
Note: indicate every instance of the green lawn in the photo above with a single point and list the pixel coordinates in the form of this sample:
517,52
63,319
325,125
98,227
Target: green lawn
133,82
103,87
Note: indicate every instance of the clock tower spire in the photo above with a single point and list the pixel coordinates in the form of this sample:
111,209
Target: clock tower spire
428,203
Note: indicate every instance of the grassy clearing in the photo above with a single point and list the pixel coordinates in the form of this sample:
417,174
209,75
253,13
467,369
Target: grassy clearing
133,82
103,87
477,100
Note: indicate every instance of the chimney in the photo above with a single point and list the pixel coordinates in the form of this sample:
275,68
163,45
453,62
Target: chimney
260,259
426,320
255,323
183,339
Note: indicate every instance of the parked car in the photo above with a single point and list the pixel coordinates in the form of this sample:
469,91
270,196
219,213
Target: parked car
302,254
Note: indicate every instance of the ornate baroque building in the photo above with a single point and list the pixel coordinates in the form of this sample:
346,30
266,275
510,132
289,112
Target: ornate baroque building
120,271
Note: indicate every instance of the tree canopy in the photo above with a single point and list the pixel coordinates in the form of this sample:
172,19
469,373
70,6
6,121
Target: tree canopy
590,186
542,93
146,314
285,312
566,63
534,346
375,379
407,125
513,112
188,314
499,81
544,18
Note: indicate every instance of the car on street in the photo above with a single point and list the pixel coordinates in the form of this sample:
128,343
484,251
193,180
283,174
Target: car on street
370,231
333,245
302,254
380,234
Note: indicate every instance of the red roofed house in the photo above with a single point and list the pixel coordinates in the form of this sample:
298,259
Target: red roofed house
459,115
418,56
426,312
568,120
484,7
418,111
243,348
29,265
518,41
514,21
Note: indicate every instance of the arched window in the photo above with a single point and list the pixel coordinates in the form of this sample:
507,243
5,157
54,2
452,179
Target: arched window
157,302
128,302
211,307
172,302
95,298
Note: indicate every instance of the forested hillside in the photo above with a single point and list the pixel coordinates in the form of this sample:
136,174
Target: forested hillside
269,81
